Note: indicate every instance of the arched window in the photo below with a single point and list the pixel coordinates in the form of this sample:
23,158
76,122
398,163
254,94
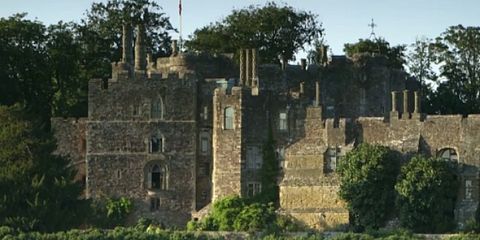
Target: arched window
448,154
157,109
157,177
228,118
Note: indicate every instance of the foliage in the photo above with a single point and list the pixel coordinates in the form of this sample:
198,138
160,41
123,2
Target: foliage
378,46
45,196
427,190
468,236
367,178
274,30
457,53
269,173
110,212
47,68
24,68
420,61
104,21
237,214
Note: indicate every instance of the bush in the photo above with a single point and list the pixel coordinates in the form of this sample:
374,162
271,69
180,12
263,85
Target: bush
427,190
237,214
367,179
108,213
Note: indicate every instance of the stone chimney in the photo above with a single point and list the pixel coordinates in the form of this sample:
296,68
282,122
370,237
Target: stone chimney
127,53
254,66
243,73
317,94
406,112
303,63
140,51
284,62
248,67
174,48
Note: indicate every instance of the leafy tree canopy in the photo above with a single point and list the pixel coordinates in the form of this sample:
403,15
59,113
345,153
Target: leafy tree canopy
45,197
24,67
457,52
378,46
426,195
367,177
274,30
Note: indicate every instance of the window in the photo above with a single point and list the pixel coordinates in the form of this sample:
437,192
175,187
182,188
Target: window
136,110
282,124
254,157
468,189
205,113
204,145
156,145
204,169
253,188
332,156
158,177
280,154
157,109
448,154
154,204
229,116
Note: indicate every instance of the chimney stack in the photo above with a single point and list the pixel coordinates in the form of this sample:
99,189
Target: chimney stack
127,54
303,63
140,51
243,74
254,66
394,101
406,113
174,48
417,102
317,94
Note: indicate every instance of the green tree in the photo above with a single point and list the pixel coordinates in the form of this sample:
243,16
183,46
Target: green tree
420,61
69,79
274,30
37,191
24,67
457,52
427,190
367,179
379,46
103,27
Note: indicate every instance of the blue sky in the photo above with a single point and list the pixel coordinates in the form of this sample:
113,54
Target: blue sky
399,22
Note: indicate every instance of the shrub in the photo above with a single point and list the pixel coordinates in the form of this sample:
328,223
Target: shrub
367,179
427,190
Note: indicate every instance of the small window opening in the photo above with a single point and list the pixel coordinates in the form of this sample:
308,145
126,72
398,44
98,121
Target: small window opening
157,177
156,145
282,125
154,204
229,117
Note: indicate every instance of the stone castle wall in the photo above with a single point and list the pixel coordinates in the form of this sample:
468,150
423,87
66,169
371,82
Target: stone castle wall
182,101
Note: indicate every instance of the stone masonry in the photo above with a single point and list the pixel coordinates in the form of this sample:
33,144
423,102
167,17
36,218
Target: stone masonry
180,132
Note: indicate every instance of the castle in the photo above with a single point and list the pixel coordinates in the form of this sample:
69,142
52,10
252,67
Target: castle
180,132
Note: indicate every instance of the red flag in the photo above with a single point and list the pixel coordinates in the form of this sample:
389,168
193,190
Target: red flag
180,7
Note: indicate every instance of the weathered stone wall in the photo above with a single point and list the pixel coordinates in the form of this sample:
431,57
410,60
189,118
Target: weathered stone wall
123,118
70,135
307,191
227,143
